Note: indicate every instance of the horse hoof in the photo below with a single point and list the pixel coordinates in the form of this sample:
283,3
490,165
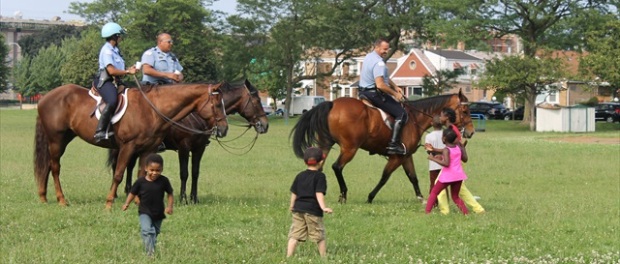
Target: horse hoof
421,199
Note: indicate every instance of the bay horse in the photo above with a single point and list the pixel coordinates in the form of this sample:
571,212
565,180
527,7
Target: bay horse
66,112
352,125
239,98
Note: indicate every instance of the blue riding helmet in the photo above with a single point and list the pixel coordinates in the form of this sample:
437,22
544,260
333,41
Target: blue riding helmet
111,29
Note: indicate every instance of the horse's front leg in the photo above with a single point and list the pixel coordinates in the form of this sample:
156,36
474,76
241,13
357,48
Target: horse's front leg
393,162
184,174
409,168
346,155
196,157
125,153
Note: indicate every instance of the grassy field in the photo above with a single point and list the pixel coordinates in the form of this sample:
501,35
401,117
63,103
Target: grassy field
547,202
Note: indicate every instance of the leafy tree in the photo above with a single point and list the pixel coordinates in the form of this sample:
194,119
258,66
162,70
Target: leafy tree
287,32
523,76
44,70
31,44
81,58
442,81
100,11
5,71
602,62
533,22
21,74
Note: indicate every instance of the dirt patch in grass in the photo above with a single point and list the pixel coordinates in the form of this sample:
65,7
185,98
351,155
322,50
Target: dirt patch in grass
588,140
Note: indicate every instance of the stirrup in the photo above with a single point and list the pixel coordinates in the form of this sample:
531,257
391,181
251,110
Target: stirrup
103,135
391,149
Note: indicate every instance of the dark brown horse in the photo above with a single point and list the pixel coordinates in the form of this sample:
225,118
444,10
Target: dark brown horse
239,98
353,125
65,112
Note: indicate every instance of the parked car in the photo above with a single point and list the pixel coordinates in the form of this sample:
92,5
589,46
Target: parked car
268,109
517,114
609,112
490,110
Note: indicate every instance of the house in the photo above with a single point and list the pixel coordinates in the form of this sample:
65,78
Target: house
410,71
472,66
573,91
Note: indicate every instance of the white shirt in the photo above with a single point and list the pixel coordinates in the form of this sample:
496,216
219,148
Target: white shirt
435,138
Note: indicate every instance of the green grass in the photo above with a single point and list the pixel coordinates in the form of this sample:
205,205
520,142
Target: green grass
546,202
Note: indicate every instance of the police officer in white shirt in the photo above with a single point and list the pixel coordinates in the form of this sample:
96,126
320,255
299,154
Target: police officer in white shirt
159,65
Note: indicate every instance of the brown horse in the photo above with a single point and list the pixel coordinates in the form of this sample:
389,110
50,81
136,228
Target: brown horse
353,125
65,112
238,98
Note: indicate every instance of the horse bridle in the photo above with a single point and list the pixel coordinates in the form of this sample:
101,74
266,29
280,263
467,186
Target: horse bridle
255,118
460,114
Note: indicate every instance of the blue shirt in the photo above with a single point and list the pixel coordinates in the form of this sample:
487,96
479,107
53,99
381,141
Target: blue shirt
373,67
160,61
110,55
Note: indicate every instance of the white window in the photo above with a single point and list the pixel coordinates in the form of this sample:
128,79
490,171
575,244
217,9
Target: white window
353,69
553,98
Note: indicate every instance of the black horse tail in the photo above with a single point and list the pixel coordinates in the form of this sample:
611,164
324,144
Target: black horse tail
112,158
312,129
41,156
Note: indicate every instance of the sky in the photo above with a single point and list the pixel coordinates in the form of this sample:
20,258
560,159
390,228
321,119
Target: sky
46,9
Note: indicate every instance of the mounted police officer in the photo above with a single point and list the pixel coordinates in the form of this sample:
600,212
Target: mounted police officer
376,86
111,69
159,65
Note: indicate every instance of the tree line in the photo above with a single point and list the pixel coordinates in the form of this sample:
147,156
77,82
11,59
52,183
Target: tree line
266,40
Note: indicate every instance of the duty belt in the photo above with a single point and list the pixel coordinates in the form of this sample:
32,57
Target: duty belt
368,89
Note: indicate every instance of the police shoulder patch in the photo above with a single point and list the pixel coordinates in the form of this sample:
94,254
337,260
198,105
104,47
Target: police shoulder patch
148,52
381,63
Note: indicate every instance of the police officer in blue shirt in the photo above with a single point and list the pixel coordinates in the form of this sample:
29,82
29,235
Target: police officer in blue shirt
376,86
111,69
159,65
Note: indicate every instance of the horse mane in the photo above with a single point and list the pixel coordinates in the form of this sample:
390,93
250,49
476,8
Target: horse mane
429,104
229,86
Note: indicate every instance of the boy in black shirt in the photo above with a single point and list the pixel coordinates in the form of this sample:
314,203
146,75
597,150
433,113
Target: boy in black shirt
308,203
150,189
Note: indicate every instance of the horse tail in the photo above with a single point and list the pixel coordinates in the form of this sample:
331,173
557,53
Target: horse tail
41,155
112,159
312,129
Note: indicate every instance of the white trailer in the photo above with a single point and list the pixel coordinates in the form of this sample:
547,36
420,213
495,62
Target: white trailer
301,104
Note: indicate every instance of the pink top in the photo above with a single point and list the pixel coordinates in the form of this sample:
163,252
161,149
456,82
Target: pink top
454,172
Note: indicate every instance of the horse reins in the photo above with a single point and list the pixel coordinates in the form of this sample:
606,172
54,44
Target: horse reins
211,131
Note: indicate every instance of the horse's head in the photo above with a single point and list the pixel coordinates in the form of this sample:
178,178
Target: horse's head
463,117
249,106
212,110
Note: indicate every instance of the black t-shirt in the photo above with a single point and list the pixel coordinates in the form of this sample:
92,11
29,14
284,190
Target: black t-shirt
151,196
306,185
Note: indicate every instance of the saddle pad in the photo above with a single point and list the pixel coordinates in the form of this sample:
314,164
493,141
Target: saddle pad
120,109
384,116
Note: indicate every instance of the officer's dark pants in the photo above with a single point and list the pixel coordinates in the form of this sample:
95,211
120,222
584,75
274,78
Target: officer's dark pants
387,104
108,93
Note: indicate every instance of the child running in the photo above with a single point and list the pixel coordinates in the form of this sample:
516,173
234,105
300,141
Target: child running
150,189
308,203
452,174
448,117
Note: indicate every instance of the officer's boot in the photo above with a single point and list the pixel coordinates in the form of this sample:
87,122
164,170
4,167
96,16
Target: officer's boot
395,146
104,122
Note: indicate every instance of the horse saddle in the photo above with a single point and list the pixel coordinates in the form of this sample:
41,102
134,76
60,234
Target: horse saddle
387,119
121,106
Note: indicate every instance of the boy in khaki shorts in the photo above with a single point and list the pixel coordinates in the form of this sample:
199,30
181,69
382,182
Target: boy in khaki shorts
308,203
